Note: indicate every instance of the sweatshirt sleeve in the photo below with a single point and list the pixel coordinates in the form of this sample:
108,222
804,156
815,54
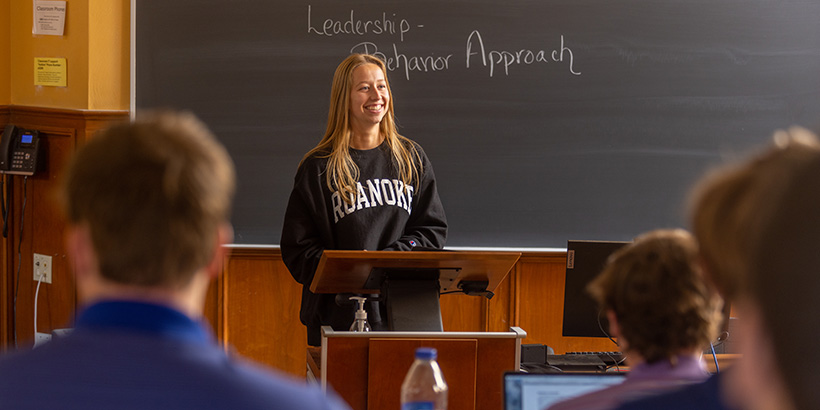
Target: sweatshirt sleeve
306,230
427,225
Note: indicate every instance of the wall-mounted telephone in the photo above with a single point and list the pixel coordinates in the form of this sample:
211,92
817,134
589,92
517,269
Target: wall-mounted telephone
18,151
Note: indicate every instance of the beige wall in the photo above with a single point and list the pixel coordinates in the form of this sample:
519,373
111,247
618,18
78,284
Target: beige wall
95,46
109,55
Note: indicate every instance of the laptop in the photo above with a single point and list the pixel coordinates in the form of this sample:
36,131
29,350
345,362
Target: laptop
538,391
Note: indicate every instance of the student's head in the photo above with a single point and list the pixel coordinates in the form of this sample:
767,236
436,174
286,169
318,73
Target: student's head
785,280
756,221
339,116
153,196
784,268
730,205
655,291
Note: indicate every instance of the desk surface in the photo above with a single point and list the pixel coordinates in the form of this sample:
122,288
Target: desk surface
724,361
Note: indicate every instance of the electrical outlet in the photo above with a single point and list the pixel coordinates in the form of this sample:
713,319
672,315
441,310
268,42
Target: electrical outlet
42,266
40,338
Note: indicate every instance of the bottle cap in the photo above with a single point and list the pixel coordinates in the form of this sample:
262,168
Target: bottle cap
426,353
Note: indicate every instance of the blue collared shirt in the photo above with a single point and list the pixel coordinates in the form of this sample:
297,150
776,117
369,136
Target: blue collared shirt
145,318
128,355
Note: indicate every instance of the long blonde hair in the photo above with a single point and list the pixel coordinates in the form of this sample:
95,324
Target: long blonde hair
342,172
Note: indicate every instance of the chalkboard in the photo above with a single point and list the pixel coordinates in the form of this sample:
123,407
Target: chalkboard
545,120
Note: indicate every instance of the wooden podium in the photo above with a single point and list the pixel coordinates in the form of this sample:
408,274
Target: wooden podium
410,282
367,368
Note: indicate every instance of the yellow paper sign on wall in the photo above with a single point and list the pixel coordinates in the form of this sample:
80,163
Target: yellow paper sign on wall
50,71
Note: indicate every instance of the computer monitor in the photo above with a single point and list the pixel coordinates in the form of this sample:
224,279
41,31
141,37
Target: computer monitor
585,260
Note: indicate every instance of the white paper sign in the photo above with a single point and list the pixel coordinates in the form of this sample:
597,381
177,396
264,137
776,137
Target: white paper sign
49,17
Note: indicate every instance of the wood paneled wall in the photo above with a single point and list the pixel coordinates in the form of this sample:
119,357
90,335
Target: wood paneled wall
34,207
259,309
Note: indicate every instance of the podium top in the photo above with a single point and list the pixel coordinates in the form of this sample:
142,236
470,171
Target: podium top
349,271
515,332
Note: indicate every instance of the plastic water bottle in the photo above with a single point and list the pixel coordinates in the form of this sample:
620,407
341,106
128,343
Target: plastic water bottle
424,387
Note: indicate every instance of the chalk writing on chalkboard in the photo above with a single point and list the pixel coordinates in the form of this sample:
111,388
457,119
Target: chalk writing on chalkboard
474,54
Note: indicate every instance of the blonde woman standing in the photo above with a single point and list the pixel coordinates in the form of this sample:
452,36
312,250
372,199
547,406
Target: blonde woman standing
363,186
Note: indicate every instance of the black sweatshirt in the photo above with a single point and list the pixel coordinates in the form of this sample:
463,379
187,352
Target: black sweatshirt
386,215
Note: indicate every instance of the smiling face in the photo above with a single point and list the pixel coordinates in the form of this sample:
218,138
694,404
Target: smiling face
369,97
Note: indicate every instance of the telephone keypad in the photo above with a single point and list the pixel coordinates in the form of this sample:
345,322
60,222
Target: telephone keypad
20,160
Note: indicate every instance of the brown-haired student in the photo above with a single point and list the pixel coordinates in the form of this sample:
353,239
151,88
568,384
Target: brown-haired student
662,312
757,225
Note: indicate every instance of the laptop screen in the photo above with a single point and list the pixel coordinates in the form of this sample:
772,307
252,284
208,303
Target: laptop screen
538,391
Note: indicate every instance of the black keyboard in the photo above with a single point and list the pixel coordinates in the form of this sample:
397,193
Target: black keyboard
586,360
612,358
609,358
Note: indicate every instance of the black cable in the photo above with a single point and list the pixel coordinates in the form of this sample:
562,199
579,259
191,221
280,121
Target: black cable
5,200
601,327
616,362
623,357
487,294
19,260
